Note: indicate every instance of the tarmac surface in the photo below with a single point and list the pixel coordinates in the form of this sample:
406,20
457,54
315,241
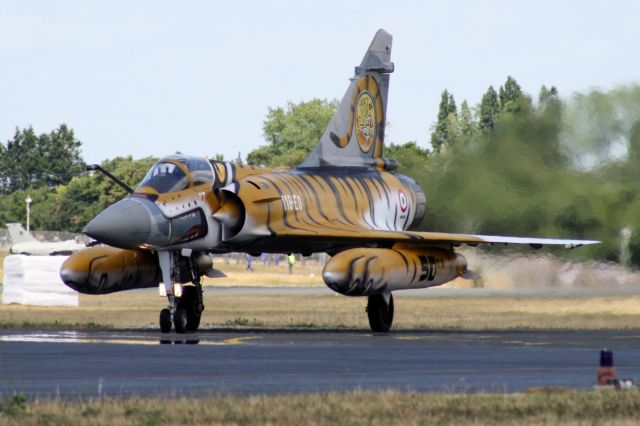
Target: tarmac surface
69,364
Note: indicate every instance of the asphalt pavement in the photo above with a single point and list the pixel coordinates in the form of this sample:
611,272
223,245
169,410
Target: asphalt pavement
254,361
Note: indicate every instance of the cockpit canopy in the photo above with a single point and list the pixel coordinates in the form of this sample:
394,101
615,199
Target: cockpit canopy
177,172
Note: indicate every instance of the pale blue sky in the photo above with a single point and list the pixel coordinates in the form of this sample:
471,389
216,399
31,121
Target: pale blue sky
152,77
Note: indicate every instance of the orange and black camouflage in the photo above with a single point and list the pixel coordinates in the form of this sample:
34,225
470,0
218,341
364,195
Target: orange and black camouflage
344,200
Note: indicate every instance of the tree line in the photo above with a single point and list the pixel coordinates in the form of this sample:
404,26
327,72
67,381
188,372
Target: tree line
49,169
512,164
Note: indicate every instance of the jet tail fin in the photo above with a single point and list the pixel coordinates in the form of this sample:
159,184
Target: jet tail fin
355,134
18,234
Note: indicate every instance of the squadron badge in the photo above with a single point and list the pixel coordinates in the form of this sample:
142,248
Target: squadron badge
365,121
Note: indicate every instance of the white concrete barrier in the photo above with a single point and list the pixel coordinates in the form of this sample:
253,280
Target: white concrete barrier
35,280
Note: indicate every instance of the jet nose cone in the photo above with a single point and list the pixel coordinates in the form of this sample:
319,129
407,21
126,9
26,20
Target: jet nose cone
125,224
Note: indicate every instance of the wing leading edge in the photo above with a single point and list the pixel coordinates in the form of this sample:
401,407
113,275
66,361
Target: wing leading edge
426,238
496,239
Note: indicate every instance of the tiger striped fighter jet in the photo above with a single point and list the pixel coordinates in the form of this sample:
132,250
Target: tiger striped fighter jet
344,199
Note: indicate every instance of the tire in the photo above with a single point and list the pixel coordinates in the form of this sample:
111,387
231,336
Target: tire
191,303
380,313
180,321
165,321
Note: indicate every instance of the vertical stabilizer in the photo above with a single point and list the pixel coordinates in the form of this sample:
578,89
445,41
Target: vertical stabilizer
18,234
355,134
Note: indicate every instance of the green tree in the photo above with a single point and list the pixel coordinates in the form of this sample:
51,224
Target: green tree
451,106
444,131
13,208
30,161
557,170
467,124
547,95
510,96
489,109
19,163
408,155
77,203
293,132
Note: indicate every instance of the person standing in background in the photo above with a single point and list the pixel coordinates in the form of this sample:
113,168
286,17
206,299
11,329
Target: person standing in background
291,260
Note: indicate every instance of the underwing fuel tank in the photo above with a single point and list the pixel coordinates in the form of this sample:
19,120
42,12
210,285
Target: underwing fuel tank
103,270
368,271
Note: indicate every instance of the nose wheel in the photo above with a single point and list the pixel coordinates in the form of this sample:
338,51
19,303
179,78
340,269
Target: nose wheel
187,312
165,320
191,304
180,321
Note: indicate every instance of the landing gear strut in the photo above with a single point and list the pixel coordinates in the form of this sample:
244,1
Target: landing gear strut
380,312
183,312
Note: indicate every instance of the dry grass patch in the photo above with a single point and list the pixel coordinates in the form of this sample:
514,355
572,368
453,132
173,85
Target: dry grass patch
337,408
141,309
308,274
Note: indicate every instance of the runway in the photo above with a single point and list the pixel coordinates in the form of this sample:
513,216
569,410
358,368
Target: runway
122,363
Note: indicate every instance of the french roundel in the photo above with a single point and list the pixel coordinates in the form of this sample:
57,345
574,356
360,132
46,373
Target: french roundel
404,204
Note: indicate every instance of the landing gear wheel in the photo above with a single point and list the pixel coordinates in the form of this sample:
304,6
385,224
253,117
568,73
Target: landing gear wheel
191,302
180,320
165,320
380,313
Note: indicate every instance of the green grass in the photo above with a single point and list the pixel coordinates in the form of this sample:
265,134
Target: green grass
337,408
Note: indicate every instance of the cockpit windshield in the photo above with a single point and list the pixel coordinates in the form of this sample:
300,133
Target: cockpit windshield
165,177
200,170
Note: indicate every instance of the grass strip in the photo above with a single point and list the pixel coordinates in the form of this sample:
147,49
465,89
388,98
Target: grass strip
336,408
141,310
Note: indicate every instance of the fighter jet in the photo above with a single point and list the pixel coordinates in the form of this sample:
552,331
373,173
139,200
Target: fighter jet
344,200
25,243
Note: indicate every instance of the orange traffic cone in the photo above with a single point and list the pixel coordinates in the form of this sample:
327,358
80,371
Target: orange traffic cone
606,372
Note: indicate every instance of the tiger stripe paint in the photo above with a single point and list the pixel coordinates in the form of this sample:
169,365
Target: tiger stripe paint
366,86
368,271
342,200
330,204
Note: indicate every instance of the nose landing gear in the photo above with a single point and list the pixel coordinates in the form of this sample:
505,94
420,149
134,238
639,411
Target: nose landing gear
187,313
184,312
191,304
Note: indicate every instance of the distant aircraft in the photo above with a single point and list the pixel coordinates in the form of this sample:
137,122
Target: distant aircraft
24,243
342,200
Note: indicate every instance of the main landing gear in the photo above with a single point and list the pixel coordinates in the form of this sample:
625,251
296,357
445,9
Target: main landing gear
380,312
184,311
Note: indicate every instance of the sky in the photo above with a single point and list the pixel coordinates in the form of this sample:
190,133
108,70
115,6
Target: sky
154,77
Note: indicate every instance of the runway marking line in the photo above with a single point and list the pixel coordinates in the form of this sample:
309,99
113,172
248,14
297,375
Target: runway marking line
65,338
440,337
239,340
525,343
